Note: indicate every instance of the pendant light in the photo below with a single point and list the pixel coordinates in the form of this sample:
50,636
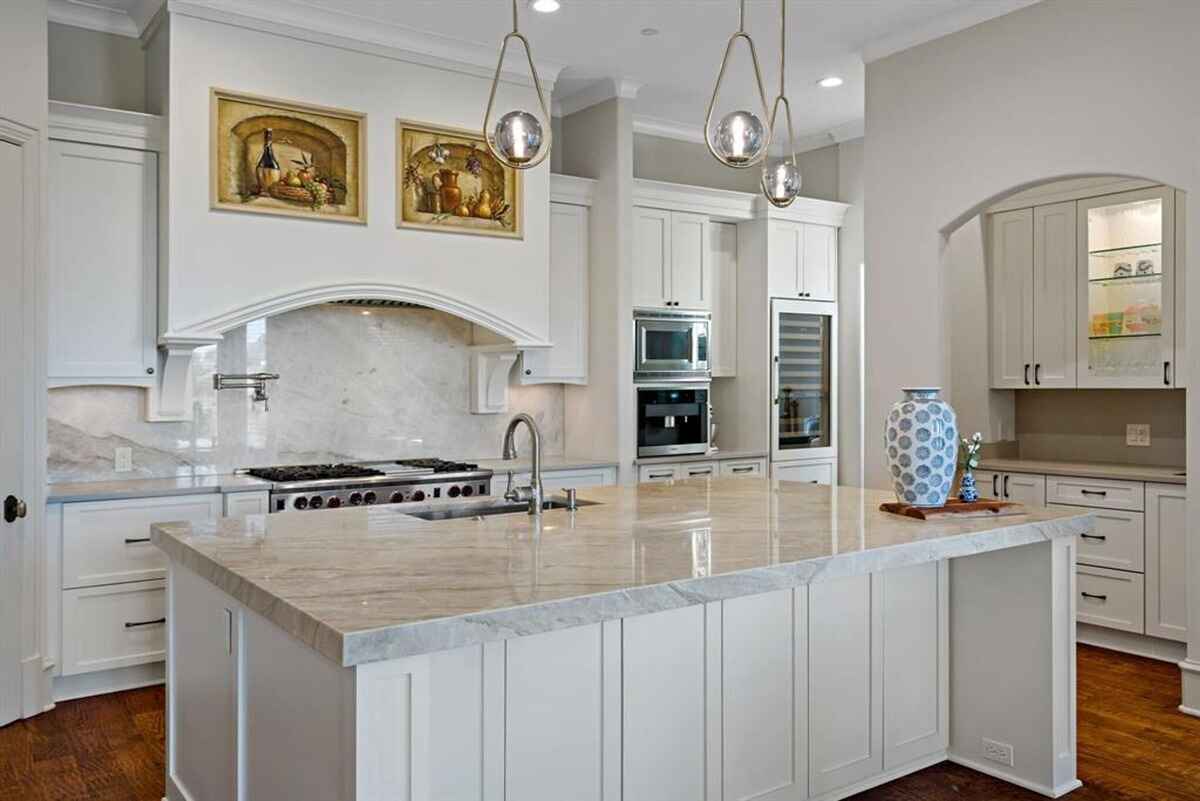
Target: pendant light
519,139
738,140
781,180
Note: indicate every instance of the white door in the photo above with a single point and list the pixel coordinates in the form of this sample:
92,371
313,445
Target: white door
651,257
12,422
820,263
691,270
1011,291
785,242
722,242
1054,296
1166,561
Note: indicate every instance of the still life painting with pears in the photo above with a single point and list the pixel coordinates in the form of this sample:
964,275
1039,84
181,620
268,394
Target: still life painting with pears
280,157
448,180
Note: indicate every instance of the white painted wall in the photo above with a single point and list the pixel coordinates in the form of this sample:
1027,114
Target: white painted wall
223,265
1005,104
96,68
852,450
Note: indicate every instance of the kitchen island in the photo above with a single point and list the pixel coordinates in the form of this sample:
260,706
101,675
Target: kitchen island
706,639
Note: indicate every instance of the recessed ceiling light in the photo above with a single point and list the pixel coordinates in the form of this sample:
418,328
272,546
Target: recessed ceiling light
649,31
830,82
544,6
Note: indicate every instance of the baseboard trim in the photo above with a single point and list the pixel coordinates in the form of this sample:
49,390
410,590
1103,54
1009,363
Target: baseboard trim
82,685
998,772
1187,710
883,778
1127,643
35,687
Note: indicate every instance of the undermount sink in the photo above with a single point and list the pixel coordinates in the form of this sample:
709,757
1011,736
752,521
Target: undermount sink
486,507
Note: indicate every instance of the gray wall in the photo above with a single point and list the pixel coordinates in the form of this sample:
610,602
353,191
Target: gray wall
98,69
660,159
850,444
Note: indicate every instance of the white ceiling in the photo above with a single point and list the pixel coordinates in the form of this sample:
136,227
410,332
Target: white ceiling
600,39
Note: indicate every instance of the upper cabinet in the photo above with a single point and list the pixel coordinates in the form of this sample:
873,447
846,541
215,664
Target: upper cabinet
723,245
801,260
671,263
103,263
1084,293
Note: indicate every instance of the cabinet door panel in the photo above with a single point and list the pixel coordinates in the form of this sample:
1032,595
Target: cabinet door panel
1023,488
723,252
785,242
988,483
1179,368
915,694
664,706
1166,561
845,683
691,280
567,361
103,256
651,257
819,276
1011,291
1054,318
804,472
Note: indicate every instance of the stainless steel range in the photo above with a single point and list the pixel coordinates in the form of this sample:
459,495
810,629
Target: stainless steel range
332,486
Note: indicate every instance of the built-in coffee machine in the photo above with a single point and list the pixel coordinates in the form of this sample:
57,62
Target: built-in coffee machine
672,419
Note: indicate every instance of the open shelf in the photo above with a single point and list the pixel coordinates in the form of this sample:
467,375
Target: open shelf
1103,251
1128,280
1125,336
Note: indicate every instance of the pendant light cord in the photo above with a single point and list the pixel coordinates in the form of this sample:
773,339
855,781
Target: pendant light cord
514,5
782,43
742,16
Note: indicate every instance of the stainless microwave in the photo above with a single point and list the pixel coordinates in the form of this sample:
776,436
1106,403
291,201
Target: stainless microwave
671,346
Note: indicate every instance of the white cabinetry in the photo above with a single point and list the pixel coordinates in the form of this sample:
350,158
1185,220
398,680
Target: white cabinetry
723,243
1023,488
672,265
1166,561
239,504
103,264
1010,281
801,260
817,471
650,472
567,361
113,626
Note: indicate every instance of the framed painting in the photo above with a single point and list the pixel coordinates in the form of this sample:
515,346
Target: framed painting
274,156
448,180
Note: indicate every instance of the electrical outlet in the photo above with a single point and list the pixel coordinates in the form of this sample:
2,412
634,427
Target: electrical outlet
122,459
1137,435
998,752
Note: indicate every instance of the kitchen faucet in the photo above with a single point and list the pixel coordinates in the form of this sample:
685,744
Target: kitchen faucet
533,493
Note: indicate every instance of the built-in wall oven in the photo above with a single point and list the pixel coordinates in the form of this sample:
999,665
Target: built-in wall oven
672,419
670,346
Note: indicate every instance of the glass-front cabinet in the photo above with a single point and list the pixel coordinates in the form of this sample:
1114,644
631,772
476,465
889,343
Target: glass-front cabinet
804,377
1126,252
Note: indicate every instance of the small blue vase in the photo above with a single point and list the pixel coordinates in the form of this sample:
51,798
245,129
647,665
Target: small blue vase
967,491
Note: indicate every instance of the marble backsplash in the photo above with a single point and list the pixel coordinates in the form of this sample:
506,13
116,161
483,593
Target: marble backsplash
354,384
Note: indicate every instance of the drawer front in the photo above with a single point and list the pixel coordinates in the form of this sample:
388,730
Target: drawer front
1111,598
239,504
559,480
107,542
1118,540
113,627
657,472
807,473
1097,492
699,470
744,468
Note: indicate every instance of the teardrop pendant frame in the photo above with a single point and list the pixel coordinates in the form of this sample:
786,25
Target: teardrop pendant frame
547,130
762,94
787,106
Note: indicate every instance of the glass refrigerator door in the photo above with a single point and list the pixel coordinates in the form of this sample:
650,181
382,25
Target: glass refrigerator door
1128,292
803,361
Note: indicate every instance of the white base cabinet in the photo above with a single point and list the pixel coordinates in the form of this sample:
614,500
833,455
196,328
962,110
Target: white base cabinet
1166,561
1023,488
821,471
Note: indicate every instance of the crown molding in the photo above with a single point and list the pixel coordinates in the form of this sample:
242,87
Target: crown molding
668,129
95,125
572,189
79,14
363,35
598,92
944,25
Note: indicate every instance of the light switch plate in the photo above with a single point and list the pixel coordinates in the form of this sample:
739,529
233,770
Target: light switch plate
1137,435
122,459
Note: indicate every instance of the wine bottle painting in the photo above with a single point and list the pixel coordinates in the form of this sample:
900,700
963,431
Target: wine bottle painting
279,157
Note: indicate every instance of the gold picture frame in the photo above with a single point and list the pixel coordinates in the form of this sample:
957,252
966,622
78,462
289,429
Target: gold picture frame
319,155
447,180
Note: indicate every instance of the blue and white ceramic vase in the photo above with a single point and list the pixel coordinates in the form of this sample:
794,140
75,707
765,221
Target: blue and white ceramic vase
921,439
967,491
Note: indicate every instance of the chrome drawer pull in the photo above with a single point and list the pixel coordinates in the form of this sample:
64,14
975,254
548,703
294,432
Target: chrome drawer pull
134,540
1100,537
1101,493
158,622
743,469
1097,597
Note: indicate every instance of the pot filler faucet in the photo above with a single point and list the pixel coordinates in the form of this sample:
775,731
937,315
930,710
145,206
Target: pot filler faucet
533,493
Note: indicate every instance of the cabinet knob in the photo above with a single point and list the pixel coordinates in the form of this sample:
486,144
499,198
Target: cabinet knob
14,508
528,372
149,371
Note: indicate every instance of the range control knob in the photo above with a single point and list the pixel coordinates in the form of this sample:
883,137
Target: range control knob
419,495
453,492
397,497
300,503
468,491
369,498
333,503
356,499
316,502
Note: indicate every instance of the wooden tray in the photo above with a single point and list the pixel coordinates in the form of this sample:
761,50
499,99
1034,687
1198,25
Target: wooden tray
955,508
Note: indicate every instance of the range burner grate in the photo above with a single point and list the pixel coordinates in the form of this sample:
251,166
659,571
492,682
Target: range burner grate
438,465
312,472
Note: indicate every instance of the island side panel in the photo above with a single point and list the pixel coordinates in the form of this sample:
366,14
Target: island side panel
1012,664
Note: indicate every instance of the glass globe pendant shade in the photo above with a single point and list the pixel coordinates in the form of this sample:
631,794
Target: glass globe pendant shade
781,182
518,137
739,138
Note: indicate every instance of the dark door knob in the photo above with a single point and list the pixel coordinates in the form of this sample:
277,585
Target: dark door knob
14,507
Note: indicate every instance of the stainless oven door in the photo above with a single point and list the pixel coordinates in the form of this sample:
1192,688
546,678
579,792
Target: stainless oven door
667,347
673,419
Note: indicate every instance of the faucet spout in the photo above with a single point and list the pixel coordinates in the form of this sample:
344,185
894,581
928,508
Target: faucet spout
534,492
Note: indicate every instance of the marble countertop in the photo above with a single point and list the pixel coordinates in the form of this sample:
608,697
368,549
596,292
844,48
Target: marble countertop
150,488
360,585
1126,472
715,456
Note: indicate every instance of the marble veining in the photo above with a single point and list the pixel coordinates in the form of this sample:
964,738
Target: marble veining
367,584
356,384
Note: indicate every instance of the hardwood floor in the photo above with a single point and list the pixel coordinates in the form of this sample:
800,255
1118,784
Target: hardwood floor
1133,744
